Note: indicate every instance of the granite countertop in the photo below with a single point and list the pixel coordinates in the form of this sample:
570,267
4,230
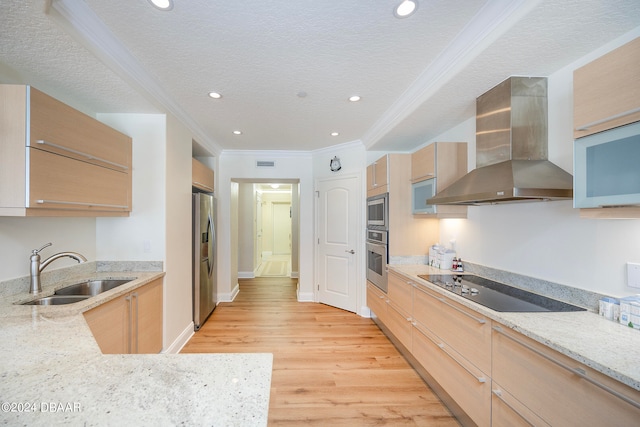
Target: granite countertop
586,337
53,372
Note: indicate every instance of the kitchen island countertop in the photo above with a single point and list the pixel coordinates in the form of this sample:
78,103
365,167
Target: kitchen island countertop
604,345
53,372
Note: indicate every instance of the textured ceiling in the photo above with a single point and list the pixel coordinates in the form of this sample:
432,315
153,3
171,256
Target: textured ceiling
417,76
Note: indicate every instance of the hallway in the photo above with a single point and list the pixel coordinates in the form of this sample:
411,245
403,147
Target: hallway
330,367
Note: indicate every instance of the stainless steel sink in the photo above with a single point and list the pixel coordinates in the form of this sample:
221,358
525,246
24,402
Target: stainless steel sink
92,287
57,300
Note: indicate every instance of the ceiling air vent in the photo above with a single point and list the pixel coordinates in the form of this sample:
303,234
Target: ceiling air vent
265,163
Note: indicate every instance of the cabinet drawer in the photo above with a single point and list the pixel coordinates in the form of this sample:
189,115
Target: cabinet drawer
71,133
469,387
468,332
557,388
507,411
400,292
377,302
399,323
65,183
427,307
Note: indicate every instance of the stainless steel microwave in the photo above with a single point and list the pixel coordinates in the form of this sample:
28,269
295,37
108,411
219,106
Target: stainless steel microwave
378,212
607,168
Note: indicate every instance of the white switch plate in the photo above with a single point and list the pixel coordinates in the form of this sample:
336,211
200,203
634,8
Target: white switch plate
146,244
633,275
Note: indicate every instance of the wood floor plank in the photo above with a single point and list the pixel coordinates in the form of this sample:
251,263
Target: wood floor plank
330,367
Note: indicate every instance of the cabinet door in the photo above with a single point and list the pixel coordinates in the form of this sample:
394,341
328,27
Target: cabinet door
400,292
606,93
202,176
557,388
60,182
469,387
147,327
399,323
377,302
109,324
423,163
507,411
71,133
466,331
377,182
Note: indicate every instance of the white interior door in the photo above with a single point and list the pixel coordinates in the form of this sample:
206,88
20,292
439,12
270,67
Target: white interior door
338,213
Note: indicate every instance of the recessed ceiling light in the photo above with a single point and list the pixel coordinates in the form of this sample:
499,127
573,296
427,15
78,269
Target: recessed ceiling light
215,95
406,8
237,132
334,134
354,98
162,4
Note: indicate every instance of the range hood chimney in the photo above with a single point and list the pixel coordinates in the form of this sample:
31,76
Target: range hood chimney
511,150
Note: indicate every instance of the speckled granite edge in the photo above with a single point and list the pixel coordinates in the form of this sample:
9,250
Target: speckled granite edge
568,294
48,277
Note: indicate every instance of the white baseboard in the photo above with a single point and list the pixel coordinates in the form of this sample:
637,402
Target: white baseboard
182,339
305,297
229,296
365,312
246,275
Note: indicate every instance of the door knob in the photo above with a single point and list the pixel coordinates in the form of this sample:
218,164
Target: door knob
350,251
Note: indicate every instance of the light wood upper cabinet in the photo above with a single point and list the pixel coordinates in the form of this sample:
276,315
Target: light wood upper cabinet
423,163
606,92
202,177
57,161
446,162
378,177
131,323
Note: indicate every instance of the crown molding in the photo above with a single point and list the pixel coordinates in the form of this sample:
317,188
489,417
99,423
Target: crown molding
491,21
77,18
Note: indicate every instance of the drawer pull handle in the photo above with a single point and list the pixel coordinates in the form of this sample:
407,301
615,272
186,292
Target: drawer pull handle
481,321
576,371
80,153
203,185
442,347
99,205
607,119
498,394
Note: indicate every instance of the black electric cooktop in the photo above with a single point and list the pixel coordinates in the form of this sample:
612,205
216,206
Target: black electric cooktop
496,296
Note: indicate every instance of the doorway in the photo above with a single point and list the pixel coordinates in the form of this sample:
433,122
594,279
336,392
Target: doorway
268,229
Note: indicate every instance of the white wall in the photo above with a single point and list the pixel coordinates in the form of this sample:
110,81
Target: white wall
246,229
178,304
19,236
548,240
124,238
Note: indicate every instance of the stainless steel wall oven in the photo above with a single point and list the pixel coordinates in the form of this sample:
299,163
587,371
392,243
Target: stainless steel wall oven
377,258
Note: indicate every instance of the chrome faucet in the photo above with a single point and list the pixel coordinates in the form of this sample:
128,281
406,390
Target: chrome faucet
37,267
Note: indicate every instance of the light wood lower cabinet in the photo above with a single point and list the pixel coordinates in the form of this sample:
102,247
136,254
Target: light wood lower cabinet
131,323
377,302
469,387
555,388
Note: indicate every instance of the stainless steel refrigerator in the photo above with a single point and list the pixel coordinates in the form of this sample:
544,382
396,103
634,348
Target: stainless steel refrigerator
204,258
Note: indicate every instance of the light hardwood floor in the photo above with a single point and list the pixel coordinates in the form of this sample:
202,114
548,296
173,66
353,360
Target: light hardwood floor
330,367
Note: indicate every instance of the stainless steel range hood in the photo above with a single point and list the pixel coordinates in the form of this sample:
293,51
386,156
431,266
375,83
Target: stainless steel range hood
511,150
